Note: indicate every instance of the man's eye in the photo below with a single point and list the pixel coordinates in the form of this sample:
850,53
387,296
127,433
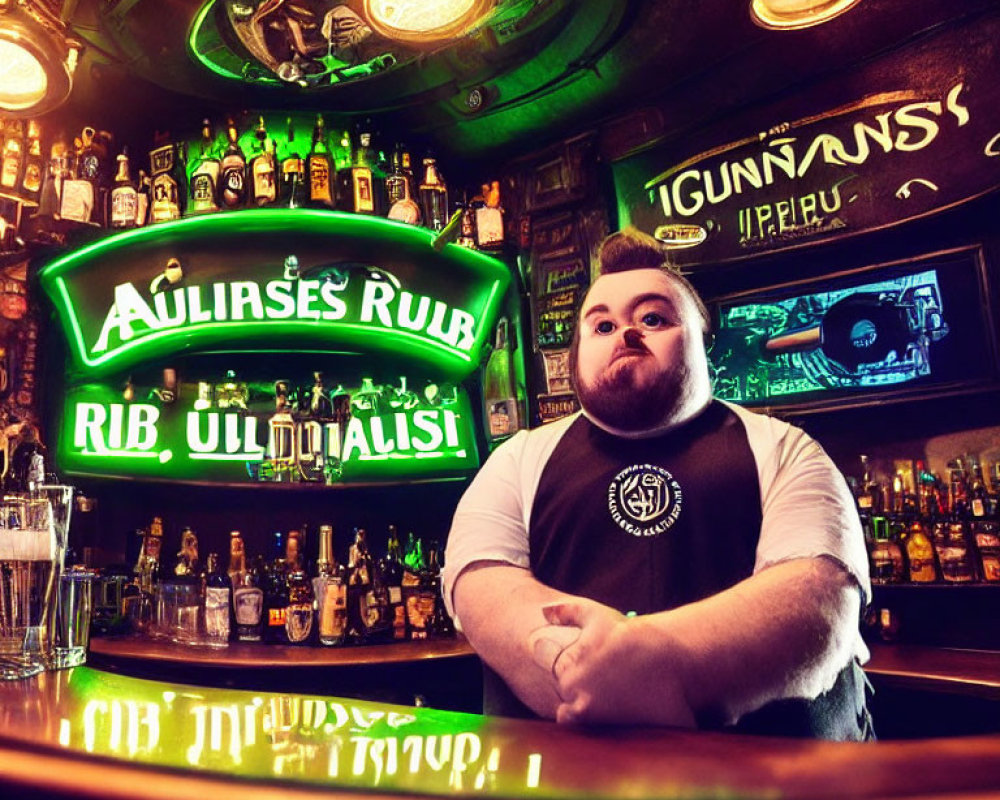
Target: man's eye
604,326
653,320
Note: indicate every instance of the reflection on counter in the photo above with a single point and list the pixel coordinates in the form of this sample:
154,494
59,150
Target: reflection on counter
314,739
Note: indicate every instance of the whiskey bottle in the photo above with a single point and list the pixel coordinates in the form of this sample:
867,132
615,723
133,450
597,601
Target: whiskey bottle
354,182
330,589
124,197
441,624
143,191
986,534
869,496
920,555
237,559
433,196
276,593
392,575
233,178
360,612
499,392
218,601
953,551
248,603
13,156
320,168
978,496
489,219
294,184
263,169
204,182
31,180
299,611
886,555
168,190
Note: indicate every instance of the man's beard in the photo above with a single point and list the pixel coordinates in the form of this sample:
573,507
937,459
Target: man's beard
619,403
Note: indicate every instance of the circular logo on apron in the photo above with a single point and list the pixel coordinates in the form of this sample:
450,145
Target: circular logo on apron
644,500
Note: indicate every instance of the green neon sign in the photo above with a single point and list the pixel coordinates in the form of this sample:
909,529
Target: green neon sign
285,279
233,433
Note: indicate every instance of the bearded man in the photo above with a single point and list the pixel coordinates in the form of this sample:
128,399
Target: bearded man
662,557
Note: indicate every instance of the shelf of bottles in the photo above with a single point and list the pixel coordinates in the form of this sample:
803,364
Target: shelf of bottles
282,600
925,529
294,162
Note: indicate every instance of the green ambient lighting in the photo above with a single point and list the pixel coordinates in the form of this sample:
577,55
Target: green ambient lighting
230,433
283,279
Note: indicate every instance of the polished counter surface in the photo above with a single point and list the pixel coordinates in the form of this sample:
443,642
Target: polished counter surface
86,732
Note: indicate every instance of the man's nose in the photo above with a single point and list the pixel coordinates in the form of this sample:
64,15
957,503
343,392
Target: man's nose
632,337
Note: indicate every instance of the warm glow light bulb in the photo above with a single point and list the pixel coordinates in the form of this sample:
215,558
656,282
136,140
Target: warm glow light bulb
792,14
23,81
428,19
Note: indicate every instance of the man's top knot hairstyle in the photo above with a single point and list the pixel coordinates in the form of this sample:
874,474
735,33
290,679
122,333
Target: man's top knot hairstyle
630,249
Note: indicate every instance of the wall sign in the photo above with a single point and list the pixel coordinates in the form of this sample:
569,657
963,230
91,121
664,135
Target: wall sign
235,432
919,135
276,279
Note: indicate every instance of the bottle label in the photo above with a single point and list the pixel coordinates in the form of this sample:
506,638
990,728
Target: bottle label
32,177
217,612
489,227
124,206
276,618
248,603
978,508
319,181
363,199
165,205
298,621
77,200
263,180
203,192
161,159
233,181
333,610
11,166
88,166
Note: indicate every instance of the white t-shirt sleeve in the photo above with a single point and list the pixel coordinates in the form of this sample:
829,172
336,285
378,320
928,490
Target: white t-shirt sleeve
806,506
491,520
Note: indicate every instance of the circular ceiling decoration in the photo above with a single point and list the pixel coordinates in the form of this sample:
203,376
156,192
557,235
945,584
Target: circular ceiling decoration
321,43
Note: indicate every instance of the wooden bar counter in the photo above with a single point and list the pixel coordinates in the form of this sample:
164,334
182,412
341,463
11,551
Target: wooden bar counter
88,732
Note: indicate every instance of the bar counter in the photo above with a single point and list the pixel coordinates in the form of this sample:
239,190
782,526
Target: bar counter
91,733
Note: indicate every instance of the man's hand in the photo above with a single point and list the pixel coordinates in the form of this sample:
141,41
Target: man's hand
594,654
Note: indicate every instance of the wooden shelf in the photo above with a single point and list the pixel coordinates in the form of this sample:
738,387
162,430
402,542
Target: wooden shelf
936,669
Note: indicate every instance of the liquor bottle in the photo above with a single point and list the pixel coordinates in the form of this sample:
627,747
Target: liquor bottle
124,197
263,169
368,158
319,167
233,169
441,624
359,589
978,498
204,182
392,574
237,559
489,219
218,601
330,589
958,489
886,555
294,559
354,181
986,534
299,612
31,180
953,551
433,196
13,156
920,555
869,497
294,183
499,392
248,603
168,190
55,173
143,191
276,593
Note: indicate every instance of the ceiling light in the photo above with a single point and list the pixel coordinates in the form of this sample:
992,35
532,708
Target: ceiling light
424,20
37,58
793,14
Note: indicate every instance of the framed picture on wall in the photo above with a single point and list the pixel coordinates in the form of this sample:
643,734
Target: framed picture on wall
870,334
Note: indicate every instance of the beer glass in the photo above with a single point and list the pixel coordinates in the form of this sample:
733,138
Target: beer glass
29,575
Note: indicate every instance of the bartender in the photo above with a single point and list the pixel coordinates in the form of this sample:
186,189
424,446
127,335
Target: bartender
662,557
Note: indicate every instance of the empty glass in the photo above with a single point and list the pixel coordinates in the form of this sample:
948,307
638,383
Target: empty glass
72,618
